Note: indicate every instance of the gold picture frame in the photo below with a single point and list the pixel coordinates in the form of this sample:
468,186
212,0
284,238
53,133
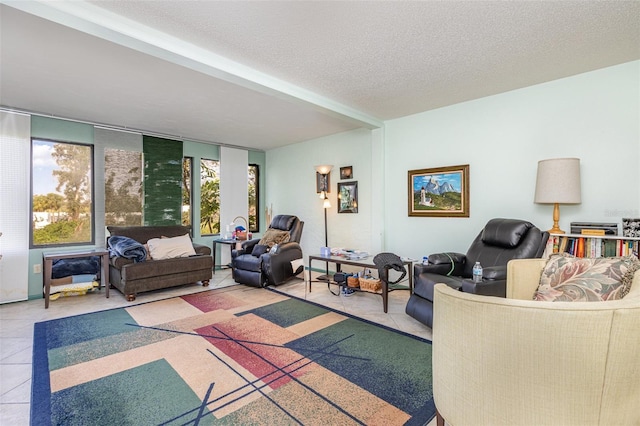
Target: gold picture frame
439,192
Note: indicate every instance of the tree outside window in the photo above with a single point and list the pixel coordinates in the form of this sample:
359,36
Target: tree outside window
209,197
254,199
62,193
187,194
122,187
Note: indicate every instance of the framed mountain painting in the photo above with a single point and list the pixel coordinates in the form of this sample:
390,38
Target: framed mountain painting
439,192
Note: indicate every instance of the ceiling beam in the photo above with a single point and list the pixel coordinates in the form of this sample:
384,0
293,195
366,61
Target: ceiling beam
109,26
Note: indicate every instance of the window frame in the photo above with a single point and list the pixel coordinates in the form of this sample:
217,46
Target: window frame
190,160
92,209
200,200
257,185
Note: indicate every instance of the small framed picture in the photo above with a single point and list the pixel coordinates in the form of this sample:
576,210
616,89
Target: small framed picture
346,172
347,197
631,227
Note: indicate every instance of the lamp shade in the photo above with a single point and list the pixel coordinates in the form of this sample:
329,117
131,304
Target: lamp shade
324,169
558,181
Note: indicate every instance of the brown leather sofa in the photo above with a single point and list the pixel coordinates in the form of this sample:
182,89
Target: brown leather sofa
132,278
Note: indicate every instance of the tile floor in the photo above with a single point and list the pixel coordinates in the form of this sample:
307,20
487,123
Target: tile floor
17,320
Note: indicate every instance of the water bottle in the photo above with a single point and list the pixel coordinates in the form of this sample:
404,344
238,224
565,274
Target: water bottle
477,273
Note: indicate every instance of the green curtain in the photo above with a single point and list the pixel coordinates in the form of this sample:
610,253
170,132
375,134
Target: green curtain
162,181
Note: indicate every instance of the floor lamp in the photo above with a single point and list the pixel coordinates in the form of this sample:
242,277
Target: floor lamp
322,186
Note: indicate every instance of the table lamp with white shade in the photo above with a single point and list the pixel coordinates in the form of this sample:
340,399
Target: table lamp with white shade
558,182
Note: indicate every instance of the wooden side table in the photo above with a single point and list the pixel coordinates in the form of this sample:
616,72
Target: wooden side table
48,259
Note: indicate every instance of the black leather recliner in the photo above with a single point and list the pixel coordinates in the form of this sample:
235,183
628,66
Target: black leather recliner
273,267
500,241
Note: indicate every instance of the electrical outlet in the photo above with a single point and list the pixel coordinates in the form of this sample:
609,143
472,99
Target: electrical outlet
37,268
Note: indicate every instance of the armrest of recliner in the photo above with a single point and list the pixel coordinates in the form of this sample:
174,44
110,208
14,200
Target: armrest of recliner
447,258
246,247
277,265
495,272
284,253
486,288
441,264
494,282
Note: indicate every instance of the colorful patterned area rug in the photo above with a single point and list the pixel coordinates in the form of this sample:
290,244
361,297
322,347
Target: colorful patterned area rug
228,357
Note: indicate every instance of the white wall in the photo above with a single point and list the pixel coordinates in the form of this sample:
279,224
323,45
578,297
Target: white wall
593,116
291,189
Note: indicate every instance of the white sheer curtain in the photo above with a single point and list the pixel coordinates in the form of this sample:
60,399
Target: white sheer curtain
15,148
108,138
234,190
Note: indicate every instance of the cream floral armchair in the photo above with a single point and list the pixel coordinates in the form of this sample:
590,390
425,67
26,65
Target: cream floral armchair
517,361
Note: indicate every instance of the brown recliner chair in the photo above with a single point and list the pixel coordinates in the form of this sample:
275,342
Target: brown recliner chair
500,241
258,266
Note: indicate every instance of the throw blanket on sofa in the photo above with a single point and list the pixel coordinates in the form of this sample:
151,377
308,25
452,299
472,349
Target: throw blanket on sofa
126,247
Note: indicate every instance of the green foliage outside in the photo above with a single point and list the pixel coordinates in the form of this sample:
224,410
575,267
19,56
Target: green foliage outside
73,180
51,203
209,198
62,232
186,191
253,199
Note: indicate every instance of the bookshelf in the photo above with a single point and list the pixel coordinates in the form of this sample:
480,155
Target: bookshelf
583,245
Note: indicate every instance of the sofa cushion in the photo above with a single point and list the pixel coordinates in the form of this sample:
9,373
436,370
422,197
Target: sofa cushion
165,267
168,248
568,278
274,236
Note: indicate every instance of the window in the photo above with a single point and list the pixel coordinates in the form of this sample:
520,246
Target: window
254,198
187,193
209,197
62,193
122,187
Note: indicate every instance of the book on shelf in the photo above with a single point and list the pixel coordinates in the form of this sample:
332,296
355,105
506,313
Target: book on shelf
589,246
592,232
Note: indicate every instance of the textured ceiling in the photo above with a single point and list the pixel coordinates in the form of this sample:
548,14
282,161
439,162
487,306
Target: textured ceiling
263,74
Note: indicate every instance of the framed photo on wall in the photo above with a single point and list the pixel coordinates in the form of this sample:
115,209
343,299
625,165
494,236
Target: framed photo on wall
439,192
346,172
348,197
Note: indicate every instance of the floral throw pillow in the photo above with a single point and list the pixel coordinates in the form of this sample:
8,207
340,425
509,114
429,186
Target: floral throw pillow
566,278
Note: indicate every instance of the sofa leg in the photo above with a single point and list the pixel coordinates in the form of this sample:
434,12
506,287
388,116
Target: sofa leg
205,283
439,419
131,297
